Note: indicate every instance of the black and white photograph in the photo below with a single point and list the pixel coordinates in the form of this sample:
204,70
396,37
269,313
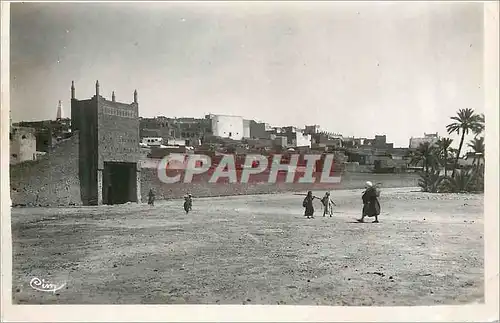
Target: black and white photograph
294,154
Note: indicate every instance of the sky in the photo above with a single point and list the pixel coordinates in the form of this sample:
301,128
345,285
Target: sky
359,69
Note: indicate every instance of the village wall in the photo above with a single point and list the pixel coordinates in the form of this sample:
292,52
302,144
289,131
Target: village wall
50,181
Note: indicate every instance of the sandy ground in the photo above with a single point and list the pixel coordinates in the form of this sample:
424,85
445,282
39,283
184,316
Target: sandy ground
427,250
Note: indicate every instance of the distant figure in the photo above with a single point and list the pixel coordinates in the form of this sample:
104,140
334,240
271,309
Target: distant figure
327,204
151,197
188,203
308,204
371,205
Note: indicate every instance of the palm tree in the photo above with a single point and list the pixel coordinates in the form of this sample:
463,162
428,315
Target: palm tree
426,154
461,183
477,146
443,147
465,121
431,182
452,152
480,125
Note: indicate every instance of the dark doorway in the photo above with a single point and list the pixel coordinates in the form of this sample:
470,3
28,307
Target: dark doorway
119,183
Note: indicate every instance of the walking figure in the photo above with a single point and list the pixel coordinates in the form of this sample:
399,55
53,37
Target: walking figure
327,204
371,205
188,203
308,204
151,197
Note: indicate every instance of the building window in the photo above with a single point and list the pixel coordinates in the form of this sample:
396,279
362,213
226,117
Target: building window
23,137
14,155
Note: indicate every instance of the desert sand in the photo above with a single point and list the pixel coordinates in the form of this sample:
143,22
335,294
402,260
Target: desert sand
260,249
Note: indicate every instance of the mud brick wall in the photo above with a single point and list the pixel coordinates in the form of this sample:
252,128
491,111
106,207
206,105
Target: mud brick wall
53,181
50,181
118,132
87,162
201,188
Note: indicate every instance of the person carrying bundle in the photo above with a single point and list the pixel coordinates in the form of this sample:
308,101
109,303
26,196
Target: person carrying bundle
371,205
308,204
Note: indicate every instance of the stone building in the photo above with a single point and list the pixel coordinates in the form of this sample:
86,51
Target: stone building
258,130
246,128
109,152
431,138
280,141
302,140
151,141
326,141
190,130
227,126
48,132
379,142
156,127
313,129
294,137
22,145
351,142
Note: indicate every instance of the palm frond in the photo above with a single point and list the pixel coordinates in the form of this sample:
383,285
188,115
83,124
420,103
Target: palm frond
430,182
477,145
462,182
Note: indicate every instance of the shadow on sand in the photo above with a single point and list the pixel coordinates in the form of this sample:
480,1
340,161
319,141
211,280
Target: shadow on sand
364,222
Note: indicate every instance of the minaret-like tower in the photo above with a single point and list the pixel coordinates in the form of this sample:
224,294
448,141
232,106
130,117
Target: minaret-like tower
97,88
59,111
113,96
135,96
72,89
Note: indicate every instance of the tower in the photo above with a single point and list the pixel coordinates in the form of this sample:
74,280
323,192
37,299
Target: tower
108,150
59,111
75,109
135,96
